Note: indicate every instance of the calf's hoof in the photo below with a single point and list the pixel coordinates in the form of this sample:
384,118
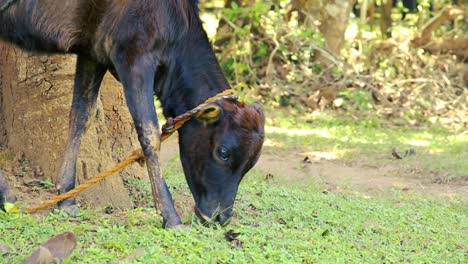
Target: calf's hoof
5,195
172,224
179,227
11,199
69,207
71,210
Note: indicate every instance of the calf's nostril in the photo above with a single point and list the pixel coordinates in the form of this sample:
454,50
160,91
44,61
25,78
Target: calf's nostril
223,219
218,219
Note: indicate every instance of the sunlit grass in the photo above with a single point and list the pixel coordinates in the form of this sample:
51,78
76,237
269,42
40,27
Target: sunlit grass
369,140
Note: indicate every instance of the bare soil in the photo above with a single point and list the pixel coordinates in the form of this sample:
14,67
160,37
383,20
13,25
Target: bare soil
335,175
322,169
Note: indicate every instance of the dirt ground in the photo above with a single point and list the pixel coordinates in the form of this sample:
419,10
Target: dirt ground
321,168
337,175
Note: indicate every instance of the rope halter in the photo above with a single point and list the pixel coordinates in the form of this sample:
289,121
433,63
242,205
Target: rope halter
173,124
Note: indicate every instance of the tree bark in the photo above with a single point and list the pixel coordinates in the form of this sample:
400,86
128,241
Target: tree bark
332,17
35,102
386,18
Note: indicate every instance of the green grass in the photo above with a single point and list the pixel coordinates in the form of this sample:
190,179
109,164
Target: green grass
278,224
370,141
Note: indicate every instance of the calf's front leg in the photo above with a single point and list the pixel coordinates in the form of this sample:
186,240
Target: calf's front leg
137,76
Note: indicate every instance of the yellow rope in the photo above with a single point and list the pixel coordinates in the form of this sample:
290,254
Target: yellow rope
136,155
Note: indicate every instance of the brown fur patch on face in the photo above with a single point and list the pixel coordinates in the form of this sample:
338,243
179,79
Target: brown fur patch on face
246,116
251,120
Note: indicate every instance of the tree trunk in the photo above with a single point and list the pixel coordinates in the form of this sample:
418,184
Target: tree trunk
332,16
35,102
386,18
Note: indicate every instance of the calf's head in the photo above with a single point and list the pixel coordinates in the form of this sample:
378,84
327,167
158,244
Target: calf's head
217,149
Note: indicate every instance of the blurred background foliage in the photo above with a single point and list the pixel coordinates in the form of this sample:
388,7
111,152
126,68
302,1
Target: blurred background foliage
403,62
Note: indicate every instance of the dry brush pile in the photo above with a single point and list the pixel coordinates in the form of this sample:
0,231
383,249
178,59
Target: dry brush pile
274,57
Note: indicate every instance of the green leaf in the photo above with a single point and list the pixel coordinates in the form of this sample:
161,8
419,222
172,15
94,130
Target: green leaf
326,232
12,208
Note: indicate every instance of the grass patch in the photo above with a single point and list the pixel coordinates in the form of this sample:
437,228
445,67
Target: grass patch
277,224
370,141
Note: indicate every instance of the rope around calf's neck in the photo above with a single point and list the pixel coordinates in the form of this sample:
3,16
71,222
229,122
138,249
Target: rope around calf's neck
172,125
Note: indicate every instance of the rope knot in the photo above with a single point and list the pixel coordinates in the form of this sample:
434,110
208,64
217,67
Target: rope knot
168,127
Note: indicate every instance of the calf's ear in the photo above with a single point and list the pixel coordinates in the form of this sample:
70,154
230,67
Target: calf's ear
209,114
259,108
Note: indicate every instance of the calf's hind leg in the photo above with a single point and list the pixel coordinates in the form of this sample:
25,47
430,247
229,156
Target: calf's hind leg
88,77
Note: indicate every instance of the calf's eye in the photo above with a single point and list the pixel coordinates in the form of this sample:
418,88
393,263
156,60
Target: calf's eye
223,153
